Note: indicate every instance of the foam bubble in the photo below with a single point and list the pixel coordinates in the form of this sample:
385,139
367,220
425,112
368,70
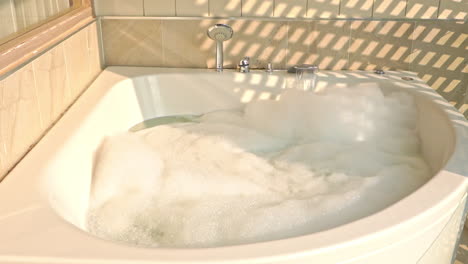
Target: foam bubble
279,168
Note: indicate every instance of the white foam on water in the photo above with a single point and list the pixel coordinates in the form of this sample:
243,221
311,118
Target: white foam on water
301,164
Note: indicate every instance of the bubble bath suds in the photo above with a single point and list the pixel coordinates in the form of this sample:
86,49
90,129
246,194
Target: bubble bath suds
275,169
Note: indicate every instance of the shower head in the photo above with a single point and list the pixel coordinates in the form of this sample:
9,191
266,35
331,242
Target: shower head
220,32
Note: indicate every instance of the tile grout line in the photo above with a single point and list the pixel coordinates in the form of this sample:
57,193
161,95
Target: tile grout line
349,45
438,8
163,53
274,7
88,50
406,8
270,18
286,57
410,63
372,9
241,6
41,119
339,8
67,68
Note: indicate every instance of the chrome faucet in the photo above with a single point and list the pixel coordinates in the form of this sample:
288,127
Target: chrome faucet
244,65
306,77
220,33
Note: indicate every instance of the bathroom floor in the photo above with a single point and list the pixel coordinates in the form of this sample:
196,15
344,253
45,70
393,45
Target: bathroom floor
462,252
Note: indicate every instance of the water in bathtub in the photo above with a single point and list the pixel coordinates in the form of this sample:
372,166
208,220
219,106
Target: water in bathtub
301,163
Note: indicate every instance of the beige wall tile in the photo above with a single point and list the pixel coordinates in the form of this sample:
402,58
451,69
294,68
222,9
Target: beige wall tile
356,8
160,7
20,124
186,43
262,41
77,59
389,8
53,90
323,8
453,9
323,43
225,8
192,8
257,8
439,57
301,37
380,45
133,42
33,97
422,8
332,39
290,8
118,7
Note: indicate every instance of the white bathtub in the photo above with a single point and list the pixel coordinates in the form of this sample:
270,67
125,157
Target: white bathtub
43,201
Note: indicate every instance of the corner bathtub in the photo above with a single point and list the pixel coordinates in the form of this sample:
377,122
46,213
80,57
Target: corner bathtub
43,201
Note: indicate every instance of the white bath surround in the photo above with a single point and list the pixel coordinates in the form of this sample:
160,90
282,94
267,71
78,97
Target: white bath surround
44,200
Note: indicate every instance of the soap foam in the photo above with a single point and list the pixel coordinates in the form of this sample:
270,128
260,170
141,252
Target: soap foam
279,168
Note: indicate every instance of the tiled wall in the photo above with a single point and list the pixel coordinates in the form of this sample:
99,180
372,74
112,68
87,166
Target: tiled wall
287,8
437,51
35,96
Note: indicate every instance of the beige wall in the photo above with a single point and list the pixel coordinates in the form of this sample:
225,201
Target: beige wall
287,8
35,96
436,50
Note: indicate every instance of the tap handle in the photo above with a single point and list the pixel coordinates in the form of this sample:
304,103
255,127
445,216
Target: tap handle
245,61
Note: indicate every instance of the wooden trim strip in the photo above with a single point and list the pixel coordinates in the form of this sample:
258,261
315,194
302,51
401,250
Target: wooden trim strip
24,48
